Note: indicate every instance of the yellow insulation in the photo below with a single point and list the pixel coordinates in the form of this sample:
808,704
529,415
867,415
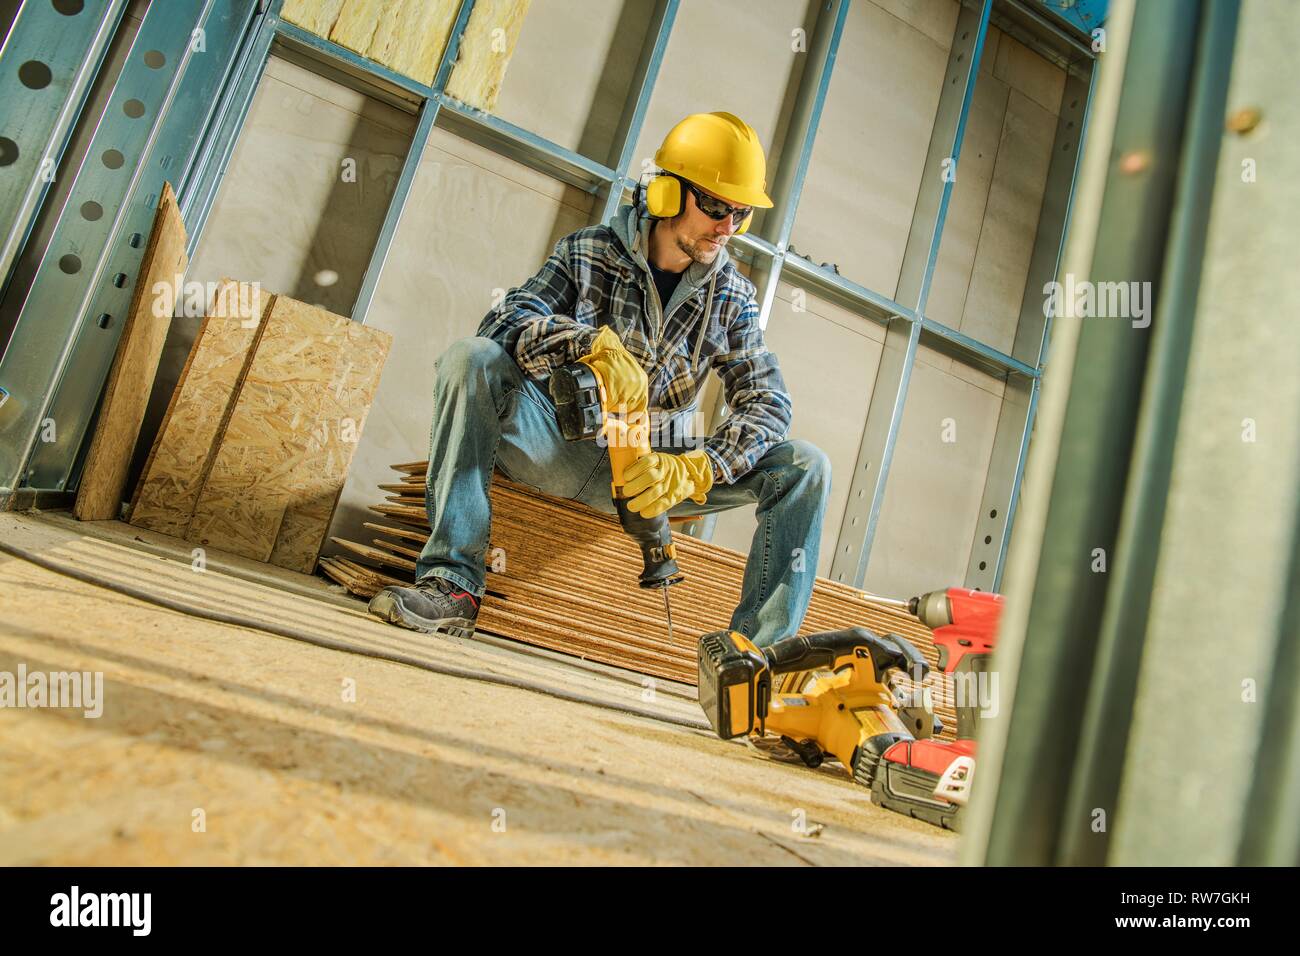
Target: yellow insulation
318,16
485,51
357,23
408,37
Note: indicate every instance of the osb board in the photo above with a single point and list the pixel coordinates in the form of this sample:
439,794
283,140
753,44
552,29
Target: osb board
485,51
130,380
318,480
182,452
283,455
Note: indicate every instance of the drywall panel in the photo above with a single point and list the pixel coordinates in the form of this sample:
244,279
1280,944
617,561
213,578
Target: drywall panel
307,190
732,55
868,158
1006,242
935,18
828,357
1024,70
475,225
579,104
936,482
968,205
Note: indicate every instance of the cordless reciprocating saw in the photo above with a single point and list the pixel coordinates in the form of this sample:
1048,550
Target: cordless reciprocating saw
834,699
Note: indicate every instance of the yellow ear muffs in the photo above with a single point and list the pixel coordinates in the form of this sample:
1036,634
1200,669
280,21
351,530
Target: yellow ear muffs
663,197
745,225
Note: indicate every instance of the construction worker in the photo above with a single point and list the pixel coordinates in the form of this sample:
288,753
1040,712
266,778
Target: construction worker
652,301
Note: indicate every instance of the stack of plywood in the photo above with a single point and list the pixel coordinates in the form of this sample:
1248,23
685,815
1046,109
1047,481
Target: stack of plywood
564,577
408,37
257,440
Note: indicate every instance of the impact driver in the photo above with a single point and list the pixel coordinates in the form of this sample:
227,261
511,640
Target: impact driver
930,779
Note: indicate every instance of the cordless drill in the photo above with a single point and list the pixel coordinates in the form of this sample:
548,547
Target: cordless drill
931,779
577,392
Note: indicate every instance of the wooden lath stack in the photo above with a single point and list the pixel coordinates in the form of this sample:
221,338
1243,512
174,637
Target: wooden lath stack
564,577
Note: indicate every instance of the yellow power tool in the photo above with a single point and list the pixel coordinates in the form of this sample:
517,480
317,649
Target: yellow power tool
824,694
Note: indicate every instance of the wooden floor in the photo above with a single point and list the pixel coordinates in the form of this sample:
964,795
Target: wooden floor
254,736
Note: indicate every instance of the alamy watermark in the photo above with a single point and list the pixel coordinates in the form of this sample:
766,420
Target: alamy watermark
78,690
75,908
1083,299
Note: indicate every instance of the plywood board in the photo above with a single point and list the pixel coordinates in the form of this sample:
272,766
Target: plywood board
130,380
829,358
754,87
485,50
599,44
182,451
281,446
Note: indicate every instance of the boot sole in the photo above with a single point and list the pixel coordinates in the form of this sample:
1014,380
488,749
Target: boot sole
388,608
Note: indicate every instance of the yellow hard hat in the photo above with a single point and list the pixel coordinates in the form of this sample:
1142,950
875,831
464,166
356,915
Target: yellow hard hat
720,152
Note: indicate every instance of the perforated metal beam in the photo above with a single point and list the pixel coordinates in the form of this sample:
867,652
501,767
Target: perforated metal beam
58,358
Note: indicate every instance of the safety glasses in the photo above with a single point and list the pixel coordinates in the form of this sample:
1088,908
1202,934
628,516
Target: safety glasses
716,208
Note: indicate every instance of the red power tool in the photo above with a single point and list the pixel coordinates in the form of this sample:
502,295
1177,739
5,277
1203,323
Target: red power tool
930,779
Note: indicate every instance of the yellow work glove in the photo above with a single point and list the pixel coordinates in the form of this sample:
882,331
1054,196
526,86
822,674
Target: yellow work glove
622,375
658,481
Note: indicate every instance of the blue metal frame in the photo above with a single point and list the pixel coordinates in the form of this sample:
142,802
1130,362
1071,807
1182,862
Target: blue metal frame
56,362
72,48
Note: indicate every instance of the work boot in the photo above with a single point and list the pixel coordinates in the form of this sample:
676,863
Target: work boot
434,606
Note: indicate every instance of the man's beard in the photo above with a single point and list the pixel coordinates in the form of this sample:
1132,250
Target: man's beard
699,250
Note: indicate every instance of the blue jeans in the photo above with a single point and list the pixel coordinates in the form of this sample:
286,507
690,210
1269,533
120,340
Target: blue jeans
487,413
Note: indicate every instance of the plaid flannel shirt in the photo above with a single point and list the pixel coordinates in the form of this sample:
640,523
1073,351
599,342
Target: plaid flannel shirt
598,277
